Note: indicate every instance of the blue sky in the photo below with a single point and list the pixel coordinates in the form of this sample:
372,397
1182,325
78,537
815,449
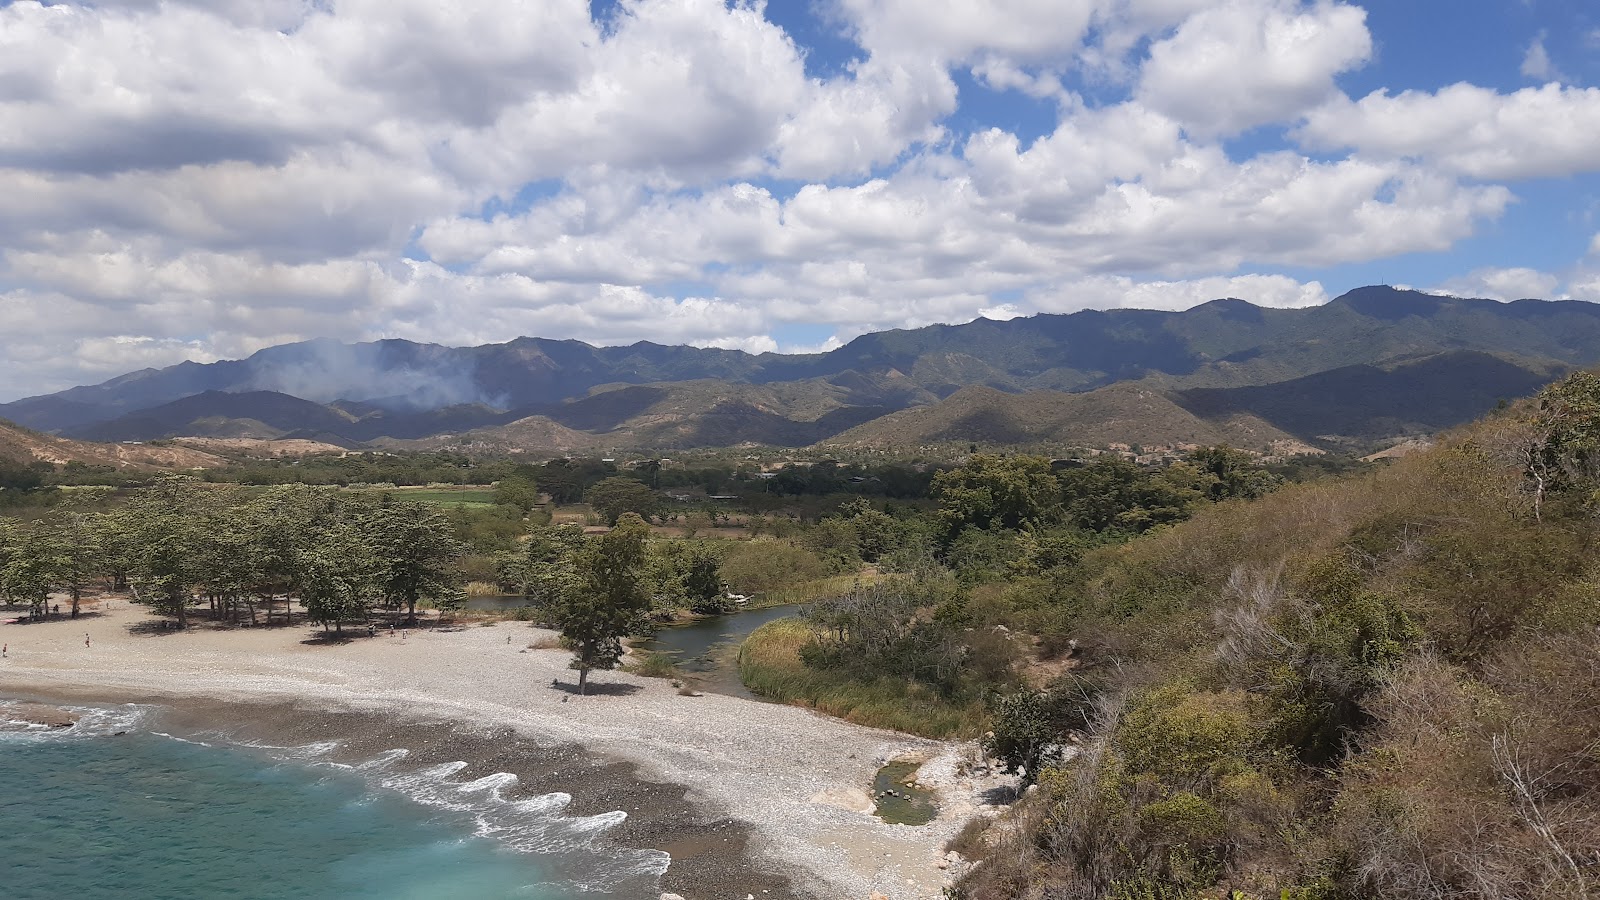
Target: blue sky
197,179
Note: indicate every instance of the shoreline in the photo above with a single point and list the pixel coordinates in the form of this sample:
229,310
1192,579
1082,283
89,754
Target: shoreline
749,798
712,857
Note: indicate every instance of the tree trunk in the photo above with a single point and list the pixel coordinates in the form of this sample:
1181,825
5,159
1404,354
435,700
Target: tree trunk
583,680
77,594
182,603
411,614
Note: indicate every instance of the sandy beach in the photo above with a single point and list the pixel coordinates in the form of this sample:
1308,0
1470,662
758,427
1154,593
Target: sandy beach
750,798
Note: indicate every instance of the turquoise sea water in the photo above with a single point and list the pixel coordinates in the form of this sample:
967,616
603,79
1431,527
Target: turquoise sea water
88,815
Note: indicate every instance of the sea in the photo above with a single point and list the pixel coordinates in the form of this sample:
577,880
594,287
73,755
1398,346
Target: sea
114,808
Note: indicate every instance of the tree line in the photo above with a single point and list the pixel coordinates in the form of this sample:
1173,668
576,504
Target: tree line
180,542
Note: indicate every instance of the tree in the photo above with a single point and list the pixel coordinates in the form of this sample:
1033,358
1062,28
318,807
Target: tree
78,533
548,567
702,582
338,576
1233,473
519,490
1024,736
160,527
1563,450
760,566
610,599
29,565
615,496
998,492
415,546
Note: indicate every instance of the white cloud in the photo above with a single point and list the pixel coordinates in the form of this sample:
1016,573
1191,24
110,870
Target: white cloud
1245,63
1277,291
1470,130
201,178
960,30
1503,284
1536,62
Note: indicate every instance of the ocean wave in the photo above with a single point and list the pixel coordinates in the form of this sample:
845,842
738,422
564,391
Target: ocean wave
16,723
537,824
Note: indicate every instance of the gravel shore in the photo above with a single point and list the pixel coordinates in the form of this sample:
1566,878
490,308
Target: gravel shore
750,798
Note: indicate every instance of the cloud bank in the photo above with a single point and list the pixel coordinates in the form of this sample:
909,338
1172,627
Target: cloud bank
198,180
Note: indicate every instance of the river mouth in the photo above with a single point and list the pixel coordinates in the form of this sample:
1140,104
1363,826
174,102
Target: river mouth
706,650
898,800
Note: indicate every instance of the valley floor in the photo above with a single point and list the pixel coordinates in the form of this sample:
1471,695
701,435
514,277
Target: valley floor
790,779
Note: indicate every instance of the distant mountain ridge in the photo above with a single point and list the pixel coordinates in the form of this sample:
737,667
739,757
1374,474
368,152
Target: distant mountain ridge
1222,360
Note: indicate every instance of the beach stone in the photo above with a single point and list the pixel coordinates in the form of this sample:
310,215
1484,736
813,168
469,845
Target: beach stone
39,714
671,897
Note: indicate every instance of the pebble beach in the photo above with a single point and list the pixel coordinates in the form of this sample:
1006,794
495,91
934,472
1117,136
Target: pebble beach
750,798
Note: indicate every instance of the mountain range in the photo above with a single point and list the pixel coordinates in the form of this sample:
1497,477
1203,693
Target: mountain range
1373,364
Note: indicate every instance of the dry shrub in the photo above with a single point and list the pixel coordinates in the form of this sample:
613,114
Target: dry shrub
1471,792
546,641
969,842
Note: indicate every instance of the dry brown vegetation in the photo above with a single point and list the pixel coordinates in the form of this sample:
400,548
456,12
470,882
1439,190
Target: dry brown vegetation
23,445
1385,686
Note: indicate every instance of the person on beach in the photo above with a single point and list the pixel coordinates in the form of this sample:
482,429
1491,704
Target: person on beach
86,638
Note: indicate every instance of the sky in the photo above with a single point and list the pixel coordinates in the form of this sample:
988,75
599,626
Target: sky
199,179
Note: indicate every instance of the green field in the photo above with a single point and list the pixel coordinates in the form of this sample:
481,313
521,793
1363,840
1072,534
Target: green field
469,497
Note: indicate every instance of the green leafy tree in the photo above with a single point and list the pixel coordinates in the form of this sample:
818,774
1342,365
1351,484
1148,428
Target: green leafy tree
1023,734
615,496
80,553
992,491
338,575
519,490
1232,473
610,600
416,548
702,582
160,527
32,561
548,570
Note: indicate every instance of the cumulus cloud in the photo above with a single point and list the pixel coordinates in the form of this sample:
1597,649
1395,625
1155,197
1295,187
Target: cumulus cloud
203,178
1468,130
1503,284
1245,63
1536,62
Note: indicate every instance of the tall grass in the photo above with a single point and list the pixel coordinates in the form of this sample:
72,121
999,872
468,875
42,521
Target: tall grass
812,591
769,664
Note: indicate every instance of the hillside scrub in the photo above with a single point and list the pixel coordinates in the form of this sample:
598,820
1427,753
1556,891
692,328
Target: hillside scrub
1382,686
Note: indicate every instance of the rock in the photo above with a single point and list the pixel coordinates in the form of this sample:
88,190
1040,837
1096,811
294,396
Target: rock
878,895
39,714
671,897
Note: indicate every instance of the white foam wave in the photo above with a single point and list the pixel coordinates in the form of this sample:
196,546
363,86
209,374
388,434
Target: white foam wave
535,824
92,721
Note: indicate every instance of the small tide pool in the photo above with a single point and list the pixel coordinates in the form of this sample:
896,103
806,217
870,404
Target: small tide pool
899,801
